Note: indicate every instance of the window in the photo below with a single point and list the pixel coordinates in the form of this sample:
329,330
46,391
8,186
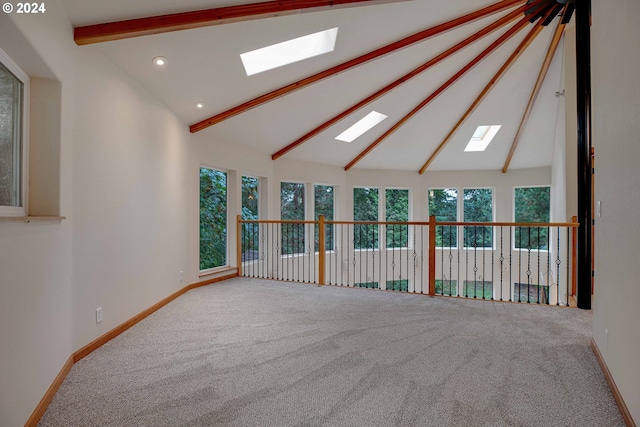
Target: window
213,218
397,210
365,208
478,207
250,211
250,197
323,197
292,203
531,204
14,85
443,204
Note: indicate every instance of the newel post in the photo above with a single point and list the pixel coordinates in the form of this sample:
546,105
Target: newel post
239,244
321,251
432,255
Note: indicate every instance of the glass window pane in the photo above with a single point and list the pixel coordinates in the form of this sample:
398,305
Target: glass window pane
11,94
250,197
532,204
397,210
443,204
478,207
365,208
324,205
213,218
292,202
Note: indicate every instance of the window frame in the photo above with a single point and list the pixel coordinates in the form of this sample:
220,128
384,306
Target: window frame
513,213
458,212
227,217
24,78
313,186
409,216
493,217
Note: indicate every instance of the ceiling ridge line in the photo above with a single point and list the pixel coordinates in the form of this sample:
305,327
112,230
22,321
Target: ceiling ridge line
344,66
493,46
503,21
551,51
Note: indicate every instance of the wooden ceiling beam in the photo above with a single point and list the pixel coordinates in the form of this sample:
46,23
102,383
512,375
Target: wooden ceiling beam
522,23
119,30
553,46
510,17
392,47
526,42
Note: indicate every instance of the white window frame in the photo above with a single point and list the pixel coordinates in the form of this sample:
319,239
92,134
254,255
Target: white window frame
513,213
23,210
493,216
226,256
313,209
458,214
409,216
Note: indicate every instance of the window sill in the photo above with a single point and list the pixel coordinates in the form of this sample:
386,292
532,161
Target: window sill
217,270
28,219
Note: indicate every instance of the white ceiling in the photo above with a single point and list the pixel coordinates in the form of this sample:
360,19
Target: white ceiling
204,66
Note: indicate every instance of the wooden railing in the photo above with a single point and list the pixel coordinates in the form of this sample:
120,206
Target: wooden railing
505,261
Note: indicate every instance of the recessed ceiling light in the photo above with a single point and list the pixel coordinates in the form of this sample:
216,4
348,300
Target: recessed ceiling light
160,61
288,52
482,137
199,105
363,125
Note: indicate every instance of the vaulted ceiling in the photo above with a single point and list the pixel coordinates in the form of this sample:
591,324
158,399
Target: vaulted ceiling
431,116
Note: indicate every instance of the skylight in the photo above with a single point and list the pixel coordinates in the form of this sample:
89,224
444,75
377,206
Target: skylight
290,51
363,125
482,137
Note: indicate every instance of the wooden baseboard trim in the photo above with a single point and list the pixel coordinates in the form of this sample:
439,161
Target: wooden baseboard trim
100,341
48,396
626,415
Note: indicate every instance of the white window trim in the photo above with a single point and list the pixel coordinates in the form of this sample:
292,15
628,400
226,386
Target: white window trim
458,215
513,215
24,190
493,217
226,266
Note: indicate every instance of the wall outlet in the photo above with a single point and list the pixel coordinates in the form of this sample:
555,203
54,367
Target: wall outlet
181,276
98,314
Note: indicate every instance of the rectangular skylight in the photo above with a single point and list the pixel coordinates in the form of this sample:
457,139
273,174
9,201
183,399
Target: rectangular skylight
290,51
363,125
482,137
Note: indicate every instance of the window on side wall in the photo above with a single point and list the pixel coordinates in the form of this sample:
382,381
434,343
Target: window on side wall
213,218
14,89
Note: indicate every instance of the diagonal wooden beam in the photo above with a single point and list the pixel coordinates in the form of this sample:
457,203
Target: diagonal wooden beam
514,56
435,60
522,23
204,18
553,46
384,50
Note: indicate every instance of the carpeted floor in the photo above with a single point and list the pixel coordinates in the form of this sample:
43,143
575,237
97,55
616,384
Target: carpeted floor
263,353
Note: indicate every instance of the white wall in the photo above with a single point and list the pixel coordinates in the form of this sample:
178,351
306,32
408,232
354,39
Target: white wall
130,165
35,259
124,163
616,126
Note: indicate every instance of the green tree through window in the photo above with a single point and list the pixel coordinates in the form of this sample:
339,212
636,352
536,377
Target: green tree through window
292,202
443,204
213,218
250,236
365,208
397,210
323,202
478,207
532,204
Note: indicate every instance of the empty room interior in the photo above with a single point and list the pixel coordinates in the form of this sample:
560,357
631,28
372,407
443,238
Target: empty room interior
190,191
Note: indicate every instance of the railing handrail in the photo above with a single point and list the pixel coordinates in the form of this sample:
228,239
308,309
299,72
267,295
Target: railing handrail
442,223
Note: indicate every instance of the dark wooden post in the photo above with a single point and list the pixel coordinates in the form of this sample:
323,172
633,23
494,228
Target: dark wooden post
583,80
